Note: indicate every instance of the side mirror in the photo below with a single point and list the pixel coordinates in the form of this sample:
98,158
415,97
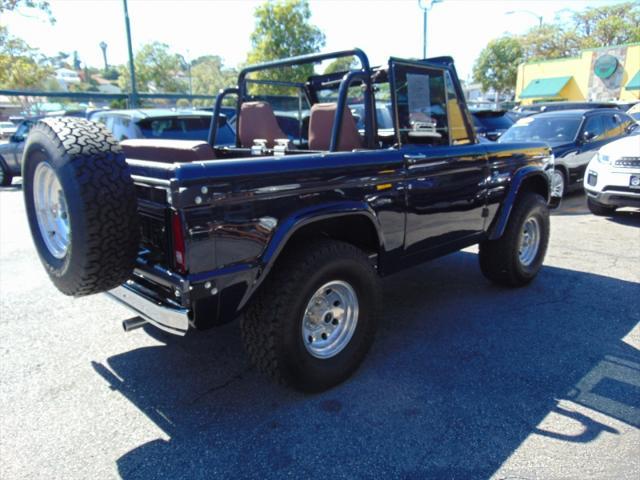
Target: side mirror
588,136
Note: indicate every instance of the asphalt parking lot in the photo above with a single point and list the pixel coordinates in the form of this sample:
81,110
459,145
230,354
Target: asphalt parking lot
466,380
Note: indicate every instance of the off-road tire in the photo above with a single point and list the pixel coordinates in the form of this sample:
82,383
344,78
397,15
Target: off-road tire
499,259
600,209
101,202
5,174
272,323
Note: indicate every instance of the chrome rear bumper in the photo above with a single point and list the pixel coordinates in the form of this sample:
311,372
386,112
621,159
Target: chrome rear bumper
168,317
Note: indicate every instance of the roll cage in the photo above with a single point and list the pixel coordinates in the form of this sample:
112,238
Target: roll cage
364,76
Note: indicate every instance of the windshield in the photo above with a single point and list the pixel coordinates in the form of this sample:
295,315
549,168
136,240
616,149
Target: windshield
554,130
492,121
177,128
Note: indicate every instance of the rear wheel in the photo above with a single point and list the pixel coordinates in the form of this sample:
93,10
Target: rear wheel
515,258
600,209
81,205
313,321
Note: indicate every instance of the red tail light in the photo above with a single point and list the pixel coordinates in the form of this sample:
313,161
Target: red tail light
177,235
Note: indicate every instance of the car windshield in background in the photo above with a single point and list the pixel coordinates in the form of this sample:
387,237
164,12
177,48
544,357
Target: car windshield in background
178,128
554,130
492,121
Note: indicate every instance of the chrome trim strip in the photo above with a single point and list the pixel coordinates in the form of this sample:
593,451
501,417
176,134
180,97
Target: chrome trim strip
170,319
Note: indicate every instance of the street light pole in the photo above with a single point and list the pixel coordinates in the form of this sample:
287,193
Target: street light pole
425,10
133,102
103,46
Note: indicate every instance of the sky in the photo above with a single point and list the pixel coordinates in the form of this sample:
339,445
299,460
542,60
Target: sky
382,28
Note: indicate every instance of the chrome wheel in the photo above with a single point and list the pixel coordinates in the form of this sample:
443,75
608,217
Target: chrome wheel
557,184
51,210
330,319
529,241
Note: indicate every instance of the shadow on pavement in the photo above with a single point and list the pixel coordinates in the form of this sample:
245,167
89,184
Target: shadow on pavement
461,374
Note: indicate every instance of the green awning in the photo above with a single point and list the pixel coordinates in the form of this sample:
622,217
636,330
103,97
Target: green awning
634,83
544,87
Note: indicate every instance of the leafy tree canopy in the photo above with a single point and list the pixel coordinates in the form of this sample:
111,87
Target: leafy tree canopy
209,76
157,67
497,67
341,65
21,67
20,5
593,27
283,29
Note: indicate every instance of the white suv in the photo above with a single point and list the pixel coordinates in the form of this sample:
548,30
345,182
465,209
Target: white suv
613,176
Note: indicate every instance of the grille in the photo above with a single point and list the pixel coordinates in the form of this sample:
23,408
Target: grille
628,162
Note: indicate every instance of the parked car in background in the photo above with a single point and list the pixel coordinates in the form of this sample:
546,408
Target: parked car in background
554,106
7,129
613,176
163,123
11,153
491,124
575,136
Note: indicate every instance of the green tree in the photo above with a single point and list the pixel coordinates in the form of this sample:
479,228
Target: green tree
341,65
283,29
497,66
208,77
608,25
592,27
157,67
15,5
21,67
550,41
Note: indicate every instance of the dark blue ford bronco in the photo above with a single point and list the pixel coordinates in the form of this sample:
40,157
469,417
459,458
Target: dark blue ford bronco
289,232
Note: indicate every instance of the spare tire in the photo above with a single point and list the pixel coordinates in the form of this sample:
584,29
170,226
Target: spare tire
81,205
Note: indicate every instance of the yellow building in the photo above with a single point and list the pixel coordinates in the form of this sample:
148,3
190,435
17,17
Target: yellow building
597,74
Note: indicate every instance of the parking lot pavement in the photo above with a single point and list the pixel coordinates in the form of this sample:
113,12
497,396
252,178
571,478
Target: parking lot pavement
466,380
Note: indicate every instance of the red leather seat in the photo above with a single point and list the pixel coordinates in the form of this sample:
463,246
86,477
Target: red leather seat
321,125
257,120
167,151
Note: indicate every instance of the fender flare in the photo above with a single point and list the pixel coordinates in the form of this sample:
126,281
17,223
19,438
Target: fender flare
522,175
292,224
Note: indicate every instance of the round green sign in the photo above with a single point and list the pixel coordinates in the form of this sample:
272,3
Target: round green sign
605,66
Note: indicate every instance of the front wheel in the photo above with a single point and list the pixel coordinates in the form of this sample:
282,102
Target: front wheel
516,258
312,323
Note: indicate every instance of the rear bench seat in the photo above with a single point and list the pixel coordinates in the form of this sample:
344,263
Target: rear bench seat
167,151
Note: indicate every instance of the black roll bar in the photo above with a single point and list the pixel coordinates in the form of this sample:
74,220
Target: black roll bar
213,127
369,126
